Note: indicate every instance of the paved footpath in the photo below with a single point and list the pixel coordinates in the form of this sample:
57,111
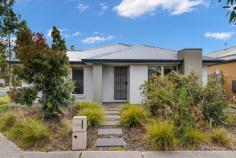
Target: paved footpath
10,150
123,154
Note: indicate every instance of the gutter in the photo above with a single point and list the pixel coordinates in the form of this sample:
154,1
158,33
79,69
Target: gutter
140,61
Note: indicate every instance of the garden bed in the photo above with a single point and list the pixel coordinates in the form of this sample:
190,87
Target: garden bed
60,137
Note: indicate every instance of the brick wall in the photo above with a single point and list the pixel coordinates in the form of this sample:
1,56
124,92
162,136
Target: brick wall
229,73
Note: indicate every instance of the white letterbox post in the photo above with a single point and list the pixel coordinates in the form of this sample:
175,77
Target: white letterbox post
79,132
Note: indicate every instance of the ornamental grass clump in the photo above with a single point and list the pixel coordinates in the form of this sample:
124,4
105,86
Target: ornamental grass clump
133,115
219,137
193,137
29,133
161,135
7,120
94,115
5,100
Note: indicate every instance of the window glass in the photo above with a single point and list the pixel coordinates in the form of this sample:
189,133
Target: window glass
78,78
168,69
154,70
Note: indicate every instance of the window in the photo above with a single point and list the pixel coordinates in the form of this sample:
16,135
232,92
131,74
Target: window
169,69
78,78
154,70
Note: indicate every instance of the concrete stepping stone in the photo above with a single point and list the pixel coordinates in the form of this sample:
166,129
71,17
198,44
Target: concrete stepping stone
110,142
110,131
112,117
111,123
112,112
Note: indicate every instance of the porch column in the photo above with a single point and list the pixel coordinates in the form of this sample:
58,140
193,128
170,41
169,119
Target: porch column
97,83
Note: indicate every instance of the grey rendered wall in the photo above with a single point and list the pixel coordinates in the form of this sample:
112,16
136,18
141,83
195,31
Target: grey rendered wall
192,61
97,83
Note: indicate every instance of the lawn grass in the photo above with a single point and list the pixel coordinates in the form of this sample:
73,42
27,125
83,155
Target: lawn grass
4,108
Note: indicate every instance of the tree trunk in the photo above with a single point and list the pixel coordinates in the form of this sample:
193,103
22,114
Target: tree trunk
10,58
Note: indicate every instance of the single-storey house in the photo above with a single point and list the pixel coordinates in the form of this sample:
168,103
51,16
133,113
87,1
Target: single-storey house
115,73
227,68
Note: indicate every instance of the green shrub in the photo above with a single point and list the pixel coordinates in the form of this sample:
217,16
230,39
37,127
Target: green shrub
86,105
95,116
192,137
30,133
7,120
183,99
5,100
218,136
161,135
133,115
214,102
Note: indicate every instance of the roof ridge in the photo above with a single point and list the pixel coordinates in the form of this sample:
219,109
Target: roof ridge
112,52
146,45
220,50
106,46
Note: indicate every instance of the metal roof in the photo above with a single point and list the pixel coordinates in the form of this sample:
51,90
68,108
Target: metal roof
225,54
79,55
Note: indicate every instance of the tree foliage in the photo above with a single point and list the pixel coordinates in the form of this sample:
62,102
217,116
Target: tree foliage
57,42
45,69
231,7
9,23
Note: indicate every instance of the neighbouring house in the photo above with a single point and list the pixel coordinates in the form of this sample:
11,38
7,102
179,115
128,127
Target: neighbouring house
227,68
115,73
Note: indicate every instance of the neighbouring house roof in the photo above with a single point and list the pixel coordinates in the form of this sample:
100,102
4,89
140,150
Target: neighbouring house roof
227,54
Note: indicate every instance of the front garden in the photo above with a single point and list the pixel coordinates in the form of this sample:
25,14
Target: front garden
177,114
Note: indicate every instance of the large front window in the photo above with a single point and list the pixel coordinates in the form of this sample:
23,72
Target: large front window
160,70
169,69
154,70
78,78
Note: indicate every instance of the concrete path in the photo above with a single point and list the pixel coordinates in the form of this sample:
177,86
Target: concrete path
110,134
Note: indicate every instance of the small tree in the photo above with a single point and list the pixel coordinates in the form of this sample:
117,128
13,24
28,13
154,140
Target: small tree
8,26
45,69
72,47
57,42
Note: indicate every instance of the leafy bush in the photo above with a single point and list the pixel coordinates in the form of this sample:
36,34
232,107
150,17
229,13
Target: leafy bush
23,95
5,100
95,116
7,120
161,135
133,115
183,99
30,133
86,105
214,102
218,136
193,137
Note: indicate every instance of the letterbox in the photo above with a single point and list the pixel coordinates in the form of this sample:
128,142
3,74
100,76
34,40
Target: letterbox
79,129
79,123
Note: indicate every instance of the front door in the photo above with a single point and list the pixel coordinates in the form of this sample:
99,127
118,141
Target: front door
120,83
